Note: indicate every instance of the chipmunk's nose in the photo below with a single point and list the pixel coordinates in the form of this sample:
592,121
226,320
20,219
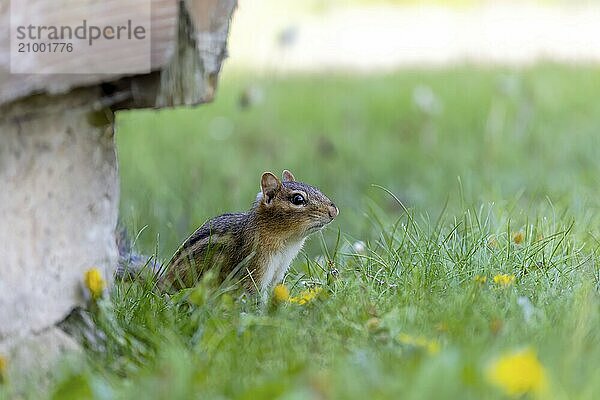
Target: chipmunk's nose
333,211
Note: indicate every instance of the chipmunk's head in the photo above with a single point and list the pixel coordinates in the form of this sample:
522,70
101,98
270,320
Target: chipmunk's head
294,207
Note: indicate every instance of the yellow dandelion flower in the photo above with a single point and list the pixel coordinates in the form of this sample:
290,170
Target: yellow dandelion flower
518,373
306,296
431,346
481,279
3,368
518,237
281,293
504,280
94,282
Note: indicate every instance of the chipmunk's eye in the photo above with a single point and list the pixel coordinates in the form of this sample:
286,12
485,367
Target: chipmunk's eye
298,199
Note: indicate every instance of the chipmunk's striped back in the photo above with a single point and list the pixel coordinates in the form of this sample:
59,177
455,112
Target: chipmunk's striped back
219,243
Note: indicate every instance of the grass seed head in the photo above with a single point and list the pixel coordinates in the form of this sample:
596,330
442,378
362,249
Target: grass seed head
518,237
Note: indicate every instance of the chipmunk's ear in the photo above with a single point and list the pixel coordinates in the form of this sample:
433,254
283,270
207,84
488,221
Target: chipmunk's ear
287,176
270,185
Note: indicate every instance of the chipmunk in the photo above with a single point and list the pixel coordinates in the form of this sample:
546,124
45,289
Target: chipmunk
256,246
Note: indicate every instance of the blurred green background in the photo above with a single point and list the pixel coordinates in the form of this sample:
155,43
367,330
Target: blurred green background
527,139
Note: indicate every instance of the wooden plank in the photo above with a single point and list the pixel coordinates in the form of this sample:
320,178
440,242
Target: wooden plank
188,47
163,38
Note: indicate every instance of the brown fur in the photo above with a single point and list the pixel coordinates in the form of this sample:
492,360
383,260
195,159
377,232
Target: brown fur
240,245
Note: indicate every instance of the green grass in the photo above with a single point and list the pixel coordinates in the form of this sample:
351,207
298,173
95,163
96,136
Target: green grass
499,152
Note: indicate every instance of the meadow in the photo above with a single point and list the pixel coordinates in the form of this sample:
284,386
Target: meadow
463,264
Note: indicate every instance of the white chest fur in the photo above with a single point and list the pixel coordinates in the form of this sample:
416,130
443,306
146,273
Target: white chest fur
279,263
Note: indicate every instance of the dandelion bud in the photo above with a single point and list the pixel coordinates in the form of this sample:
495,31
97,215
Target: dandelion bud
94,282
